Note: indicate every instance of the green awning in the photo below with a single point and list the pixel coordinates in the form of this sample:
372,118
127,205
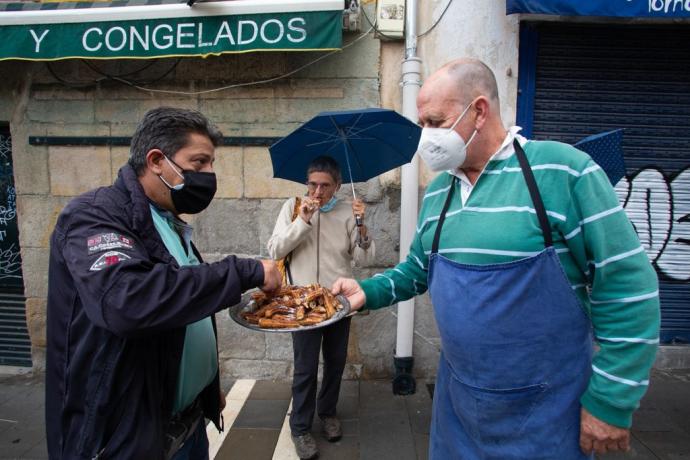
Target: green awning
114,31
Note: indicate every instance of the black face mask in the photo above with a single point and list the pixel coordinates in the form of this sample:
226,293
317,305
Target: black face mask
195,193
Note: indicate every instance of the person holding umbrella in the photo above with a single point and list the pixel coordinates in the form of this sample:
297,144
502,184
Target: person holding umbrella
320,243
528,257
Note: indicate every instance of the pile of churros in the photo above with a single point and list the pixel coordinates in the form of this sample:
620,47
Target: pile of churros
293,306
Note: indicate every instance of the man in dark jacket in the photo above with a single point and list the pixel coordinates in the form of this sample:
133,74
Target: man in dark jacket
132,362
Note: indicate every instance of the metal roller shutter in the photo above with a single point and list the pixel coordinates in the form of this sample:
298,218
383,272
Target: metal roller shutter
15,345
582,79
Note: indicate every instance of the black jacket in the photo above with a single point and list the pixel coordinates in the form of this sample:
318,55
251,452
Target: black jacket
118,303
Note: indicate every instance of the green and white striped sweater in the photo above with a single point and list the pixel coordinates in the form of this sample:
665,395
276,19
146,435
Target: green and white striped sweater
597,245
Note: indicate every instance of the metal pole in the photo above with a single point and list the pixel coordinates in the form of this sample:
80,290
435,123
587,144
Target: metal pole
404,382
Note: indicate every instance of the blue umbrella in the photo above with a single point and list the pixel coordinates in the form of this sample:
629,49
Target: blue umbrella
367,142
605,149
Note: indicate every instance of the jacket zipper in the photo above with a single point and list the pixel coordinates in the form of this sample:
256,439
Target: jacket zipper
318,238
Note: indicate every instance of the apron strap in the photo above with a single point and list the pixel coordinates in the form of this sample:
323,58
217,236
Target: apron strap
442,217
534,193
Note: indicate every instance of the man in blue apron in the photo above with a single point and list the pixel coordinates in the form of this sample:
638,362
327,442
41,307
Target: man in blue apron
528,257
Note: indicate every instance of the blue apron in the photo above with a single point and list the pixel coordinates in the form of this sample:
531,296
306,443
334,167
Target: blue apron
516,354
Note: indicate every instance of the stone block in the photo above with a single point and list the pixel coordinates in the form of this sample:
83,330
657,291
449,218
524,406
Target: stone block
30,163
357,93
118,158
239,110
37,215
75,170
237,342
124,129
376,341
278,346
61,111
267,129
256,369
352,371
7,103
292,92
35,271
229,69
228,227
38,359
392,55
36,320
384,225
129,111
228,168
258,177
267,217
78,129
360,60
30,166
251,92
43,92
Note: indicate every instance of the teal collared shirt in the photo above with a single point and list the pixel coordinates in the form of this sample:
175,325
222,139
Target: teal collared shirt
199,363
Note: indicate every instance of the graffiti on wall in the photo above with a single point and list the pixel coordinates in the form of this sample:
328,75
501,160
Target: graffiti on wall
10,259
659,208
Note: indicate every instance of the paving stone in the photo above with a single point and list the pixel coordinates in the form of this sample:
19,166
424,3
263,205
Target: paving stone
249,444
385,430
347,448
637,451
266,414
348,407
271,390
663,444
418,408
421,445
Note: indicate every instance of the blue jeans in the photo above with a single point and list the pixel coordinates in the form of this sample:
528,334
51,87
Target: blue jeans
196,447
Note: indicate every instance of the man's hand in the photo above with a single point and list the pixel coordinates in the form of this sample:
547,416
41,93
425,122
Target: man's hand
600,437
350,289
358,209
222,399
272,278
307,208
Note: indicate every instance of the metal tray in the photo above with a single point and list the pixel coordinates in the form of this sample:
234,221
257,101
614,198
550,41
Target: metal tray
247,304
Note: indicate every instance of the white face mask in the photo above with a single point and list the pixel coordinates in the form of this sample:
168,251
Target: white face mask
443,148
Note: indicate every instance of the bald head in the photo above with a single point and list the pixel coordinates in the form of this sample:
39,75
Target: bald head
471,78
463,96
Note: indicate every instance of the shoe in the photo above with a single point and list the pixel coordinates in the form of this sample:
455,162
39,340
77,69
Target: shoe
305,446
332,429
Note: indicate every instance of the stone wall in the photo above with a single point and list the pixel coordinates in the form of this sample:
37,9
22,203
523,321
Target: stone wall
74,98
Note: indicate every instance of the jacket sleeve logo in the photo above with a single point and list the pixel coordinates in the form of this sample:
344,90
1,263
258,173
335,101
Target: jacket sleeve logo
108,259
107,242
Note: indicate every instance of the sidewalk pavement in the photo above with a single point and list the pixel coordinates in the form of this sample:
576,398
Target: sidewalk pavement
377,424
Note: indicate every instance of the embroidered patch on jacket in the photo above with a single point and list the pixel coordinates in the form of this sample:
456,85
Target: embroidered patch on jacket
108,241
108,259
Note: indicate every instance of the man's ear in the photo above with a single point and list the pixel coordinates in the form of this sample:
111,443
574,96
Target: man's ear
481,110
154,160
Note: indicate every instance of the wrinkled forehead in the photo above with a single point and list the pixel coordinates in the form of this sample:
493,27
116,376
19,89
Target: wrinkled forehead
438,94
321,177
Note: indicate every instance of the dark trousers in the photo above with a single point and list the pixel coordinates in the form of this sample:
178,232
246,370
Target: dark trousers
306,346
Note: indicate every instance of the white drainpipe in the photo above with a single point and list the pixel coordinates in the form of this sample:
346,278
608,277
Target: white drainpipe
404,382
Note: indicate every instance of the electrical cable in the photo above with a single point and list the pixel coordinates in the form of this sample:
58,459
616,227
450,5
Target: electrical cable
126,74
373,24
378,31
437,21
259,82
128,82
69,84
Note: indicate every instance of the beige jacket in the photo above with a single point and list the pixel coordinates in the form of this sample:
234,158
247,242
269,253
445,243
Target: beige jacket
324,249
